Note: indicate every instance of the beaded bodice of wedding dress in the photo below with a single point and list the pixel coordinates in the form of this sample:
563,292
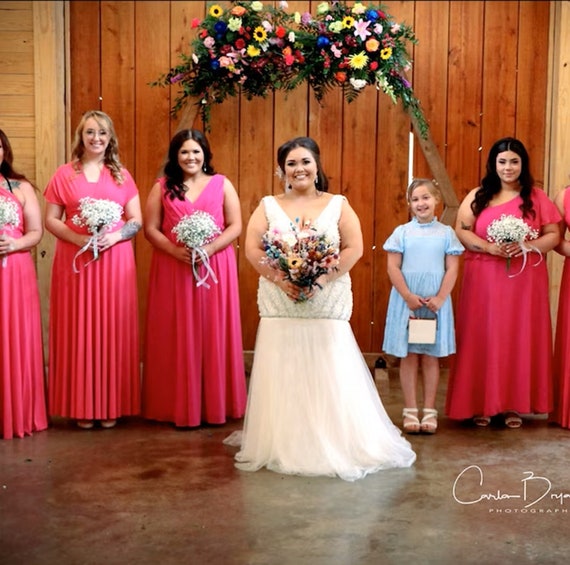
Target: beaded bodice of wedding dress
334,301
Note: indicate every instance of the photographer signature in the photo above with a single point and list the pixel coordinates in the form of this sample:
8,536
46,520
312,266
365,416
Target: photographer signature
534,489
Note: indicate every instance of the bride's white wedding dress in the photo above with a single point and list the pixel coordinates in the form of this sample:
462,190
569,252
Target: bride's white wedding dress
313,408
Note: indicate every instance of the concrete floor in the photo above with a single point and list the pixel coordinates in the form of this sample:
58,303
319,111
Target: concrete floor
146,493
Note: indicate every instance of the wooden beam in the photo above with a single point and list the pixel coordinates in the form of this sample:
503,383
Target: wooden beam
437,167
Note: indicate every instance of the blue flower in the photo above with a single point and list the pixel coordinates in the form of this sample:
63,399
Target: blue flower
371,15
323,41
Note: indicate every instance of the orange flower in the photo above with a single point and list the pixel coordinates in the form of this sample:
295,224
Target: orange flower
372,45
238,11
341,77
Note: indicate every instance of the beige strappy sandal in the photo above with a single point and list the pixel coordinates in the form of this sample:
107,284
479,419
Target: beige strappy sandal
429,421
413,426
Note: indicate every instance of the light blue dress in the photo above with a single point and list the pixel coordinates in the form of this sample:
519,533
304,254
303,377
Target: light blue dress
423,248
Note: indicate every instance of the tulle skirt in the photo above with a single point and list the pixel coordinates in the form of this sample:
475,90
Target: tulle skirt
313,408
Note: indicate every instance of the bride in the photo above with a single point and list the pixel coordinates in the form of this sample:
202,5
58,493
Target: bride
312,408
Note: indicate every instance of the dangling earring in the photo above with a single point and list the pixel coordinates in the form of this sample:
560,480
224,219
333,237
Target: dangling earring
204,168
317,182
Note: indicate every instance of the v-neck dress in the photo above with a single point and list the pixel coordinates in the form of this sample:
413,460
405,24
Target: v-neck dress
94,363
313,408
504,331
194,367
22,379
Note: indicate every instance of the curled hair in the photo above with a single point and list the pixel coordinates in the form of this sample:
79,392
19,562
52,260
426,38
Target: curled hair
173,171
6,168
431,186
491,183
311,145
111,159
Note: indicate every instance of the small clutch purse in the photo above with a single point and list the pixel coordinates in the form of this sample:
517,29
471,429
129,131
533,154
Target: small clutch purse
422,330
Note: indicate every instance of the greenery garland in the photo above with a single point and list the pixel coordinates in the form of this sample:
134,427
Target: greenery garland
256,49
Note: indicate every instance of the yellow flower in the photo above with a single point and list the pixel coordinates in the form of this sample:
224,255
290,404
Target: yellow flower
347,22
259,34
386,53
216,11
323,8
359,60
294,262
253,51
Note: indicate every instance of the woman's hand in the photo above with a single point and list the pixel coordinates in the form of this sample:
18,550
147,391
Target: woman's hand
8,244
106,240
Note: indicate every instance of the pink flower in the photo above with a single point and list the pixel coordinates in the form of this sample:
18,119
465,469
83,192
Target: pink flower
361,29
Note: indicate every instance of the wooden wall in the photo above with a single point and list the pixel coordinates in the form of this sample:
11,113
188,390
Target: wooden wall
477,73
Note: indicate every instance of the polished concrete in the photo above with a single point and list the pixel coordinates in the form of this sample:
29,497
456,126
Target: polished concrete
146,493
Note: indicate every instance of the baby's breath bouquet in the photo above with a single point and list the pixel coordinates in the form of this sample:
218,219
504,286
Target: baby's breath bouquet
511,229
303,254
194,231
8,218
97,215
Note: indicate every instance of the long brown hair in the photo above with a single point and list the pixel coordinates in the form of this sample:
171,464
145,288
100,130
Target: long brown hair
111,159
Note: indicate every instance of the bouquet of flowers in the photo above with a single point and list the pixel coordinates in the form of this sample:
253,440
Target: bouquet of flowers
193,231
303,254
246,47
255,49
8,217
356,46
510,229
97,215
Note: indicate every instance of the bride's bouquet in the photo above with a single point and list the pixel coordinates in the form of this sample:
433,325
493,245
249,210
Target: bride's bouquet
8,217
97,215
303,254
194,231
510,229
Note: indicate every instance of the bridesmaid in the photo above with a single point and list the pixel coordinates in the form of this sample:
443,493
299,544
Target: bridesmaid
22,380
561,413
94,367
194,370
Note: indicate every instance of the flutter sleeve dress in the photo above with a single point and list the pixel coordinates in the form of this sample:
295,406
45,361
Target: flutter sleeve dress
423,248
561,412
194,369
94,364
22,378
504,332
313,408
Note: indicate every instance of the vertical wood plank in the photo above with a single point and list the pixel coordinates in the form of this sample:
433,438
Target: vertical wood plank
358,186
391,169
532,60
85,63
118,74
49,50
464,95
430,75
152,45
255,180
500,73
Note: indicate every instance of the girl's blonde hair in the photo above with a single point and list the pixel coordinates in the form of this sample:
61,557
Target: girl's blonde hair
111,159
431,186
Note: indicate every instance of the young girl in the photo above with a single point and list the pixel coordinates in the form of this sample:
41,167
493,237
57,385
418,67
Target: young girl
423,260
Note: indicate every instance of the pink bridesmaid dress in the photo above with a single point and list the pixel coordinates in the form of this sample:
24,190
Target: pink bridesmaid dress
194,368
94,362
22,380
